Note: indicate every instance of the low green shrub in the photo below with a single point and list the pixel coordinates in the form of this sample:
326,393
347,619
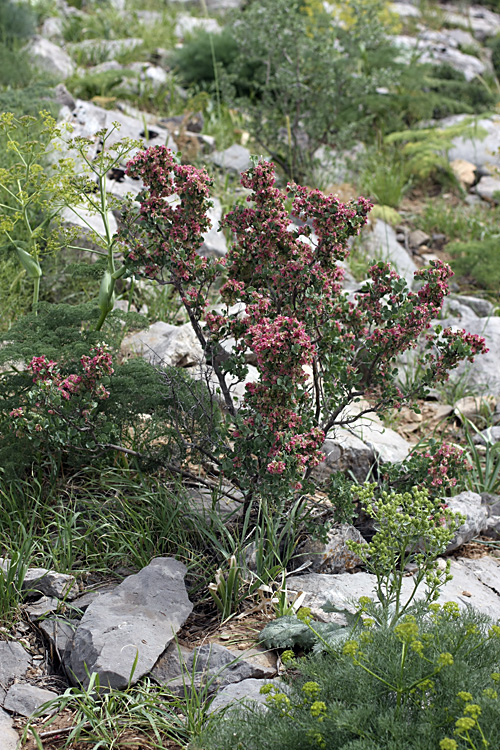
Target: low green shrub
477,263
431,682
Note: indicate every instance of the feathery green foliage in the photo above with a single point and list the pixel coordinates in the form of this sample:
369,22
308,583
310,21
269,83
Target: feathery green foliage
381,690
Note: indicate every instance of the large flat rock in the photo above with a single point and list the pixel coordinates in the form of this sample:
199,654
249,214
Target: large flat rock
475,583
122,634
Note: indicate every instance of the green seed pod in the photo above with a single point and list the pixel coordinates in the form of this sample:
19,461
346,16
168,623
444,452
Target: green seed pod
29,263
106,293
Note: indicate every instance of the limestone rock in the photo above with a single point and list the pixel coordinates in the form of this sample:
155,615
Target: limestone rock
24,699
10,738
166,344
42,607
482,307
474,407
345,452
484,372
133,623
214,242
104,49
60,633
489,189
332,556
381,243
50,58
482,22
50,583
490,435
14,663
479,578
236,158
481,149
187,24
240,692
471,506
211,665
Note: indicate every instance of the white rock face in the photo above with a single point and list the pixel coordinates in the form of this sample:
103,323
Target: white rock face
186,24
475,583
484,372
50,58
482,149
381,244
470,505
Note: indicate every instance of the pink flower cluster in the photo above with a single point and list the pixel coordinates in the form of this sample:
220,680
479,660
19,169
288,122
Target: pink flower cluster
58,400
316,351
444,464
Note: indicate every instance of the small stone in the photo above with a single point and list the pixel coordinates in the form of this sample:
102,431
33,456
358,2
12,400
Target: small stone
466,593
464,171
50,583
14,663
489,189
418,238
25,699
10,738
43,606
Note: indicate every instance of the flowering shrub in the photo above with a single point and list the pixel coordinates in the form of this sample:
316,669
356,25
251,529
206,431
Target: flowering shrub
440,467
60,410
316,351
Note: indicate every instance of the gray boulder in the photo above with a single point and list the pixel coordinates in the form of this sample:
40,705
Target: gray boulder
332,556
483,373
122,634
476,517
236,158
211,666
50,58
475,582
247,691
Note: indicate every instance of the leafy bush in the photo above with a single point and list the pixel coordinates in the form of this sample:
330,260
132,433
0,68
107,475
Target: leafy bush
312,79
291,326
67,417
477,262
430,682
195,61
